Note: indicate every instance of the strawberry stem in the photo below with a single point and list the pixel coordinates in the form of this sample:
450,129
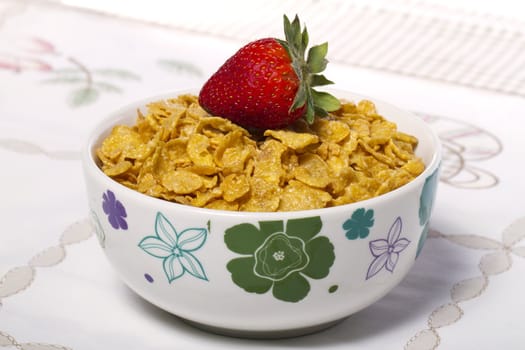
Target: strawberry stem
307,71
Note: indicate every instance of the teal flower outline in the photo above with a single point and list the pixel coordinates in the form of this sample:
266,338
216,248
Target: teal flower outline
359,225
279,257
426,203
175,249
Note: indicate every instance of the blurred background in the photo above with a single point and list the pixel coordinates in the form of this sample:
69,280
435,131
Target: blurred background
478,44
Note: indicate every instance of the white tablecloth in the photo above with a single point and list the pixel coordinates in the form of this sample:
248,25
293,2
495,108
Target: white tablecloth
62,69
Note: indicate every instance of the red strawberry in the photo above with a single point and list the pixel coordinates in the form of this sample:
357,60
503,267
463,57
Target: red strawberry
268,84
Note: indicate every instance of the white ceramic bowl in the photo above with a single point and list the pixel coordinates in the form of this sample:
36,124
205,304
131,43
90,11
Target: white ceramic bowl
262,274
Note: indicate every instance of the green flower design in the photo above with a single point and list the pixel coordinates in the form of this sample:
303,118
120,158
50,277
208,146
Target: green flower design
422,239
426,202
278,257
359,225
176,249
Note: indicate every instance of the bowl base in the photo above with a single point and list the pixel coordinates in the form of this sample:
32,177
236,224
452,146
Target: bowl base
263,334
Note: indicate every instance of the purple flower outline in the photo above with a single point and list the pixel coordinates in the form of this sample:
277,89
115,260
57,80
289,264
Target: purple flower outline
386,251
114,210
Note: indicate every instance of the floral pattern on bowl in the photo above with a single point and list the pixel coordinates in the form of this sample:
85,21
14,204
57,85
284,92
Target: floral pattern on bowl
359,225
426,202
262,264
386,251
115,211
176,249
279,256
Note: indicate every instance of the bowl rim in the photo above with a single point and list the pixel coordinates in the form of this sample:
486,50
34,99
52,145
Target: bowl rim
105,124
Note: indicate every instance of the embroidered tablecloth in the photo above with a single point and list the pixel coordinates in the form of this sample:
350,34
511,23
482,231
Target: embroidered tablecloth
64,66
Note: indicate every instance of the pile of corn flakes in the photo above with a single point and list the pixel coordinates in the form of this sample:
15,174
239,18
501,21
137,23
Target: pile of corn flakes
178,152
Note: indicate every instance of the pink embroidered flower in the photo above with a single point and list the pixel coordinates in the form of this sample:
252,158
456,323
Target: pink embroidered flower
19,64
35,45
27,45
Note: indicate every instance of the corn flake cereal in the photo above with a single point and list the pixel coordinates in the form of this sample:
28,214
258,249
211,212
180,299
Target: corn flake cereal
178,152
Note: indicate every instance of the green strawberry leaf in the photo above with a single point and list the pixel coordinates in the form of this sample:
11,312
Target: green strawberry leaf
325,101
318,80
317,103
305,40
320,112
300,98
310,110
316,58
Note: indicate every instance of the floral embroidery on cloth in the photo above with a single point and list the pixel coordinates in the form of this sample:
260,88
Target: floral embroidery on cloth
97,227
